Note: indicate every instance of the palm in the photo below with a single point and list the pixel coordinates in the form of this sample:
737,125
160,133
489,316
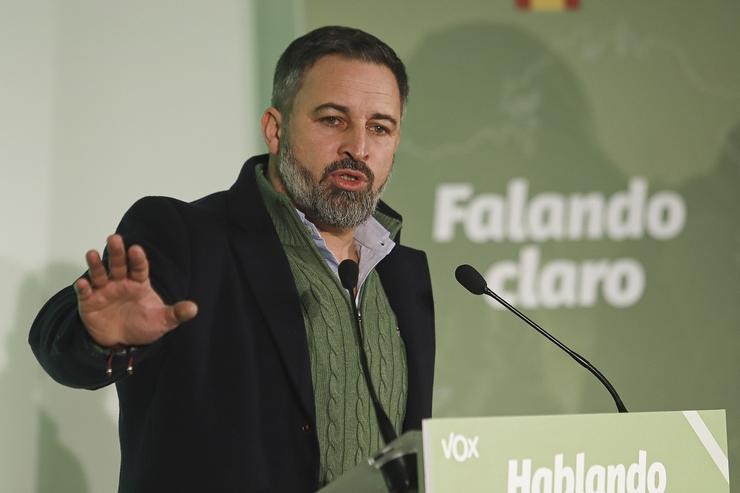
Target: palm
119,306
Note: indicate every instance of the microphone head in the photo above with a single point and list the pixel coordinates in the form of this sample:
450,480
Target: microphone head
348,272
470,279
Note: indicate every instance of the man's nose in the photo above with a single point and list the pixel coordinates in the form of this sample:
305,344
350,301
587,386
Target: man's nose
355,143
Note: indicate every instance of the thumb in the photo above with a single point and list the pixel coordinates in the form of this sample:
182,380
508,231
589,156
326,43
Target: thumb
180,312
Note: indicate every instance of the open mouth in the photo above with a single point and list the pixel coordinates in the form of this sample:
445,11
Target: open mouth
349,179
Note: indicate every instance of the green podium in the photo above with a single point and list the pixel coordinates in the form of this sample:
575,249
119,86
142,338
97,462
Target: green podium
676,452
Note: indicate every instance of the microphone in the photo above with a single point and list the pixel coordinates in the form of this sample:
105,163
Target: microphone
348,274
470,279
474,282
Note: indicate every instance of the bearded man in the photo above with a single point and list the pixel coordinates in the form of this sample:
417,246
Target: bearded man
222,322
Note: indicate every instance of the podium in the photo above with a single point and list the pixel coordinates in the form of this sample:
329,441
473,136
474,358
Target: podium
678,452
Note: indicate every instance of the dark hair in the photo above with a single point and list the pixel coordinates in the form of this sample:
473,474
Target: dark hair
304,52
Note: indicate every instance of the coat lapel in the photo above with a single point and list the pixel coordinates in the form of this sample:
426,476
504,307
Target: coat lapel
263,260
405,277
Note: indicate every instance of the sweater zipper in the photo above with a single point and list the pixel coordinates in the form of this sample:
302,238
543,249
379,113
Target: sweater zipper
359,317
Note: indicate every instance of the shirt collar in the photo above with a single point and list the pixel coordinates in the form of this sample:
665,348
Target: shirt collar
373,242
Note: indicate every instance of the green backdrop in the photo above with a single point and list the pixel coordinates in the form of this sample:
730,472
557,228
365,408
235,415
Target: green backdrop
631,105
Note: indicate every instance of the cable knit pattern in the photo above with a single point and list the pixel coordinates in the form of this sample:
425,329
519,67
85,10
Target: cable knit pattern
346,425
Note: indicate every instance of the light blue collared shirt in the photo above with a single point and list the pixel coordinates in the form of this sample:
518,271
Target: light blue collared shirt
373,240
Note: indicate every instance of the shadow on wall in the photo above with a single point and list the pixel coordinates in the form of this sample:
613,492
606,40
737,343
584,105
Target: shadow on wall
58,469
75,446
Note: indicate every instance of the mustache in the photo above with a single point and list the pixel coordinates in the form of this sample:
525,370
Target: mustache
349,163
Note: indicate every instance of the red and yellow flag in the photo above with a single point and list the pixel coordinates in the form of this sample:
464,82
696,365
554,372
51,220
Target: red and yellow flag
552,5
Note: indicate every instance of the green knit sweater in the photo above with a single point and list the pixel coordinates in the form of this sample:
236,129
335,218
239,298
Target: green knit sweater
346,425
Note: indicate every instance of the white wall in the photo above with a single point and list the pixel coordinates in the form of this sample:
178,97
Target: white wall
101,102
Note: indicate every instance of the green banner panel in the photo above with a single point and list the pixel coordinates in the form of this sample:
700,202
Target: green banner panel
680,452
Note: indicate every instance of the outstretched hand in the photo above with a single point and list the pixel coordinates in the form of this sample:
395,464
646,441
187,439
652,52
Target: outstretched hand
119,306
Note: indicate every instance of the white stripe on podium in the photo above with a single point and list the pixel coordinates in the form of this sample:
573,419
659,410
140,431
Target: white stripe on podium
707,439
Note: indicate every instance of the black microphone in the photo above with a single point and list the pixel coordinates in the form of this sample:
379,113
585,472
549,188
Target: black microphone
348,273
476,284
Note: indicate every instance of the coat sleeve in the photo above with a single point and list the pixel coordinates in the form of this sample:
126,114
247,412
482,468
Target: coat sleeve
58,337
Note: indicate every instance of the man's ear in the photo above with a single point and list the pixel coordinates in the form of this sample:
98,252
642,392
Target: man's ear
272,121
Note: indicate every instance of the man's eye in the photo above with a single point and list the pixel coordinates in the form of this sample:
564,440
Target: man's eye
332,121
379,129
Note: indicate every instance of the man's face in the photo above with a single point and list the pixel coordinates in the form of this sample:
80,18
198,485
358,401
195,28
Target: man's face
336,151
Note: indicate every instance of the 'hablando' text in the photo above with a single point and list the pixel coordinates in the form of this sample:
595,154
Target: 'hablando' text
581,477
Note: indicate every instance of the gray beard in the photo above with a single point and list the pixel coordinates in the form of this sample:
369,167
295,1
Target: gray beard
322,202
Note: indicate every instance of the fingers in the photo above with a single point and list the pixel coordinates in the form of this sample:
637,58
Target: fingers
138,264
83,289
180,312
120,265
98,275
117,268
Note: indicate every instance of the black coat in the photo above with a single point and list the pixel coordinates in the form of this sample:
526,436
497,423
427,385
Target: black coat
224,403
